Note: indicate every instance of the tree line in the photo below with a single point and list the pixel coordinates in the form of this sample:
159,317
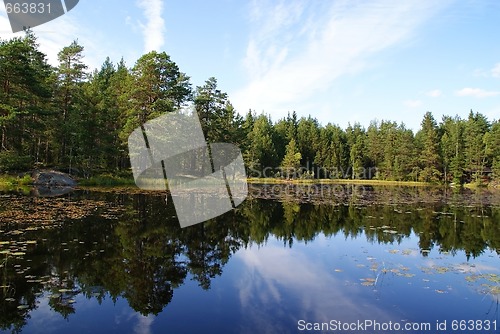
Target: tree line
71,118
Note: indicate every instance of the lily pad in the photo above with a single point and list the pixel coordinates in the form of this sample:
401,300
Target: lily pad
19,253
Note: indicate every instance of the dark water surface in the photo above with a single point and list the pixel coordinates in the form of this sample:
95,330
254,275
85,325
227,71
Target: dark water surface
106,262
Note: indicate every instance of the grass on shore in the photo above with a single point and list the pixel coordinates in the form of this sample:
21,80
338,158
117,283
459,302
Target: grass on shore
337,181
11,180
107,180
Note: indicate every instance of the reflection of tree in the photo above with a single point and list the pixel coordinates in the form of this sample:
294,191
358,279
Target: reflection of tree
150,265
207,251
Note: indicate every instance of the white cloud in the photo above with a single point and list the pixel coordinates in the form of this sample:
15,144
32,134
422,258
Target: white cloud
299,50
477,92
495,71
434,93
412,103
154,29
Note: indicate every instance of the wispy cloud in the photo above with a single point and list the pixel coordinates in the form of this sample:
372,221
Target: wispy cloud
434,93
412,103
153,30
298,50
495,71
477,92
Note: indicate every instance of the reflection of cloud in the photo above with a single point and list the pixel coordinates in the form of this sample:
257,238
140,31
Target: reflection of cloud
274,276
144,323
44,319
475,268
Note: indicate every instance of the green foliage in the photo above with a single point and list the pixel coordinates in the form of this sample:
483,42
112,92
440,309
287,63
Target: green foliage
428,145
10,161
261,152
9,180
475,130
291,162
492,148
75,119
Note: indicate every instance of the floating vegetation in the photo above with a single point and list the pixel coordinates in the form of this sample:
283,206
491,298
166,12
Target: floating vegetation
441,270
18,253
49,211
486,288
368,281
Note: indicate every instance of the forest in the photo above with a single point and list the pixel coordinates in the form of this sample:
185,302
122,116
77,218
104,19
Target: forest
74,119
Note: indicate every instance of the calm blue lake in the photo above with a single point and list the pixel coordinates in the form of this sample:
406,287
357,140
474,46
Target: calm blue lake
118,262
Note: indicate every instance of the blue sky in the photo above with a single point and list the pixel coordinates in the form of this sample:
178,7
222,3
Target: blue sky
338,61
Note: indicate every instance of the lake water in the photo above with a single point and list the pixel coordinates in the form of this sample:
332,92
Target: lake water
421,261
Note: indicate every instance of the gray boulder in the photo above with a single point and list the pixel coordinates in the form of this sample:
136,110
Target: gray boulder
52,178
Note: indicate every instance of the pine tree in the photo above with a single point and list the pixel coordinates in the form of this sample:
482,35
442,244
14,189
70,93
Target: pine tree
428,144
260,158
71,74
492,148
356,138
475,129
156,86
25,92
307,140
452,149
291,162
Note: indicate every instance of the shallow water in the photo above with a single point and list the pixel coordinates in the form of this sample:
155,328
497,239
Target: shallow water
116,262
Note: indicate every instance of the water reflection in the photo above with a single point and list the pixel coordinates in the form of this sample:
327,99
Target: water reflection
110,246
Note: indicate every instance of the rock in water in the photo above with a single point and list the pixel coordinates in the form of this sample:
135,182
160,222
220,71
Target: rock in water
52,178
